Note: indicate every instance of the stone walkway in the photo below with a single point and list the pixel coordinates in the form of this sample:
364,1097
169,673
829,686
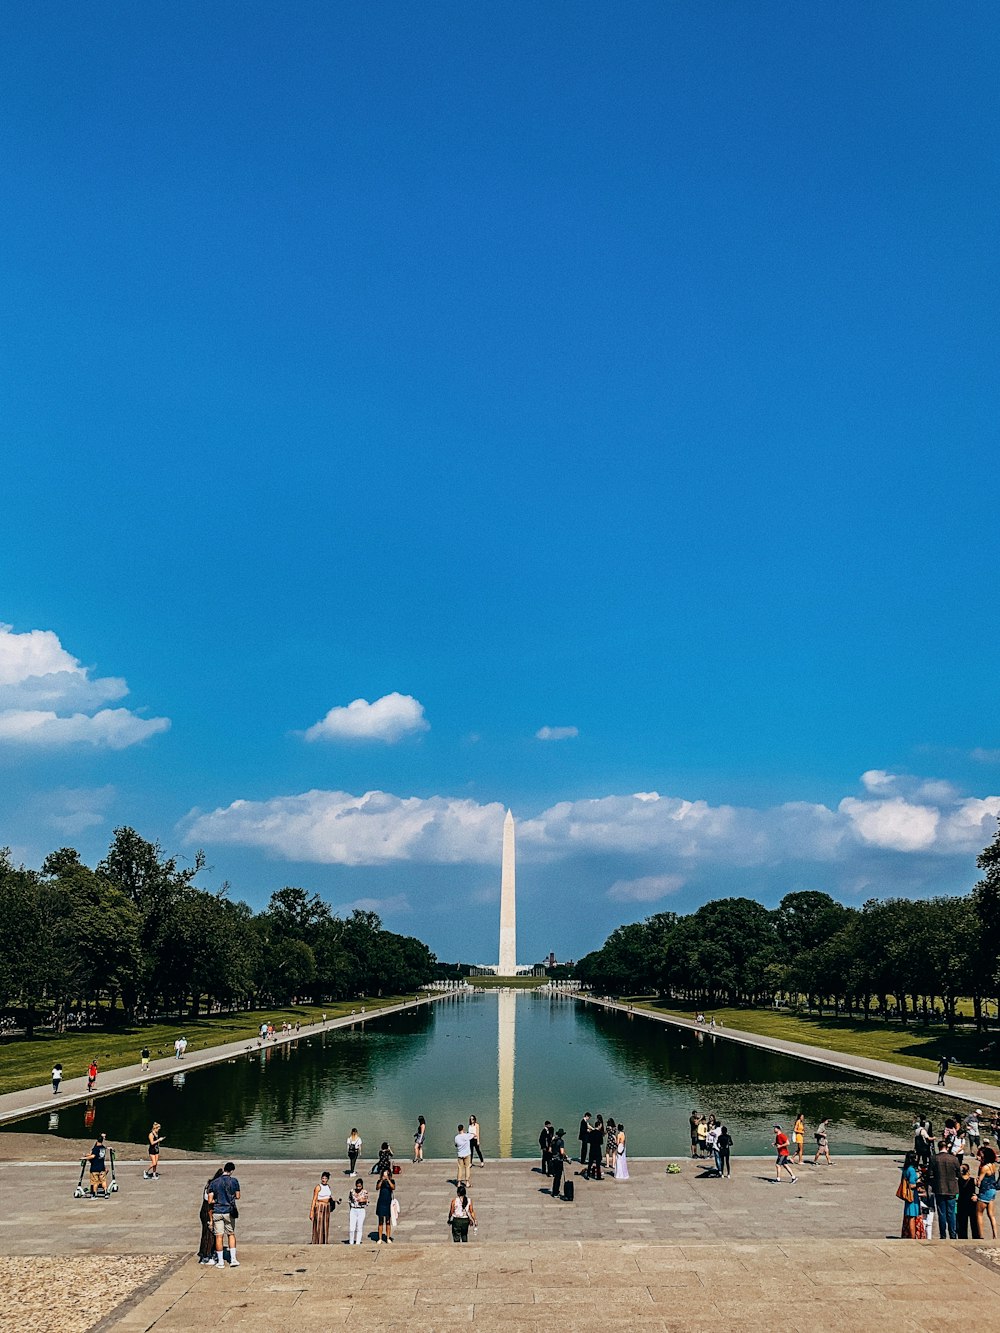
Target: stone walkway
583,1287
962,1089
32,1101
659,1252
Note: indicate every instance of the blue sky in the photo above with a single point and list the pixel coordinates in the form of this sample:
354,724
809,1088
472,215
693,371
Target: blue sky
626,371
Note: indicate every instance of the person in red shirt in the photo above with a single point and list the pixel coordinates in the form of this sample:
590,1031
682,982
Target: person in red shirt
91,1075
781,1148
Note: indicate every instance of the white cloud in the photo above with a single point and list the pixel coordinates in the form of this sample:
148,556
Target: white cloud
645,889
877,780
657,836
47,698
388,719
556,733
983,756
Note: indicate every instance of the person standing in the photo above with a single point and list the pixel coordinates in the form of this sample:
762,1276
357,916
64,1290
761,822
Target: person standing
966,1213
56,1078
206,1247
621,1155
558,1161
944,1182
155,1139
358,1203
383,1207
419,1139
972,1129
781,1160
92,1076
822,1143
911,1205
222,1198
354,1144
799,1137
724,1148
694,1120
584,1137
460,1214
596,1148
986,1186
943,1066
144,1058
545,1138
319,1210
712,1143
463,1152
610,1144
98,1159
177,1048
474,1133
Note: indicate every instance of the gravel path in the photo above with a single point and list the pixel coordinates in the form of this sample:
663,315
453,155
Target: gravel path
39,1295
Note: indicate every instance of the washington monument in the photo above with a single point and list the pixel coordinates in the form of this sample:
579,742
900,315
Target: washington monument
508,925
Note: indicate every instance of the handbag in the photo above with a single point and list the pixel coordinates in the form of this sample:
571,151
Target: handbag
904,1190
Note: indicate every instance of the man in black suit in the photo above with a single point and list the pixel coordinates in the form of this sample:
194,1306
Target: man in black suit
545,1143
584,1137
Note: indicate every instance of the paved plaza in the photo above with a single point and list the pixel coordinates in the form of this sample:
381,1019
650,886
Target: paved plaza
660,1252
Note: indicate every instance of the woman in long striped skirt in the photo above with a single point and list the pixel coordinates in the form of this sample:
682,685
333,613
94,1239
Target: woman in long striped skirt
319,1210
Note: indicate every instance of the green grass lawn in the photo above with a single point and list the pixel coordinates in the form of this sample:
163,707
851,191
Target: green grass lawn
916,1046
28,1064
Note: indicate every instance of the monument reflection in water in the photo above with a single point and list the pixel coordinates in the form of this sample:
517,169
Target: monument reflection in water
537,1056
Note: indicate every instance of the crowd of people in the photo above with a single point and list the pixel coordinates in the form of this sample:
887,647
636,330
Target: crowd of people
603,1152
937,1183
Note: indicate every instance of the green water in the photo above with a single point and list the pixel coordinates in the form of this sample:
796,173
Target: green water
513,1060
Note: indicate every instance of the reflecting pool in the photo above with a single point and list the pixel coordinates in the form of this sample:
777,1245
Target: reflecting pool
512,1059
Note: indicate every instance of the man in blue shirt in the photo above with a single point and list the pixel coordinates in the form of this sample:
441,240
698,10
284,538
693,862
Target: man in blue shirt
222,1195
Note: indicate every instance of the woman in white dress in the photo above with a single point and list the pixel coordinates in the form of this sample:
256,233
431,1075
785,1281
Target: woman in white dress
621,1156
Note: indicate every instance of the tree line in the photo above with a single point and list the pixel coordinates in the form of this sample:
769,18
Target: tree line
137,937
899,955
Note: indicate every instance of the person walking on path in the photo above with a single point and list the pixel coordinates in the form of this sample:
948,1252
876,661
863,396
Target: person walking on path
723,1149
584,1137
144,1059
463,1152
383,1207
799,1137
92,1076
781,1160
354,1145
419,1139
822,1143
155,1139
56,1078
206,1246
986,1187
944,1182
474,1140
545,1138
460,1214
357,1204
907,1191
558,1161
222,1197
621,1155
943,1066
320,1209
